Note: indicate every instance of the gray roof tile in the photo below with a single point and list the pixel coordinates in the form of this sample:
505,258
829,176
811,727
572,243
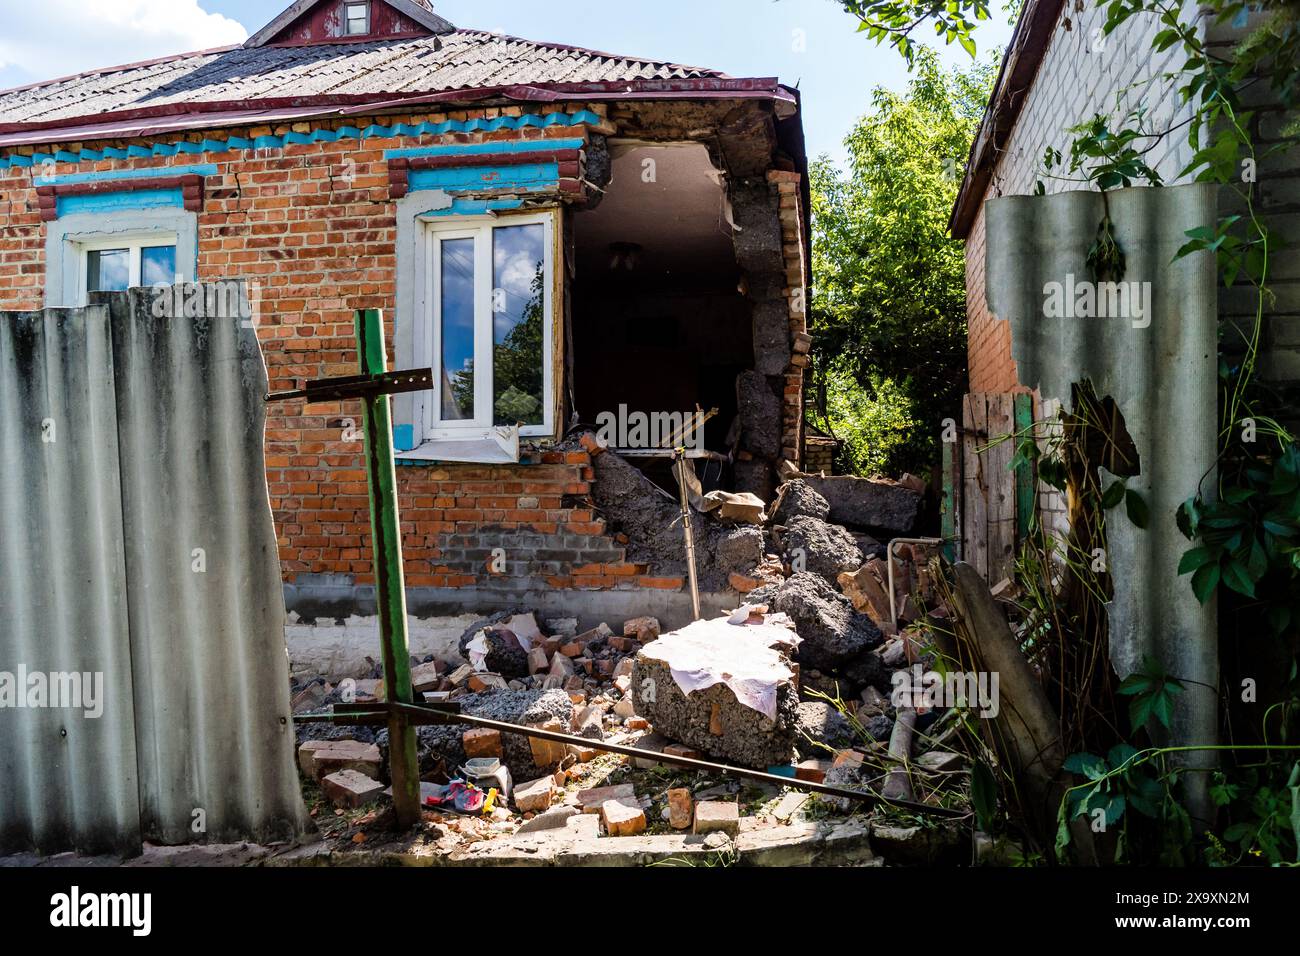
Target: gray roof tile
462,60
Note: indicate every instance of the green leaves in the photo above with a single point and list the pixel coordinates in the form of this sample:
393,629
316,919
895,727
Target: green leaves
1137,509
895,21
1250,536
984,795
1153,693
1114,784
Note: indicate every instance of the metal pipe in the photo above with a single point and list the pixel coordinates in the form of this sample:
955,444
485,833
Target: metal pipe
686,527
424,715
889,562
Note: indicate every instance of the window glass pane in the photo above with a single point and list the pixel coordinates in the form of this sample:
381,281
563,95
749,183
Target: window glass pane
457,256
158,265
357,18
518,323
108,270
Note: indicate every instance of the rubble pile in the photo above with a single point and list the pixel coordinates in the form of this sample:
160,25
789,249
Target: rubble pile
798,681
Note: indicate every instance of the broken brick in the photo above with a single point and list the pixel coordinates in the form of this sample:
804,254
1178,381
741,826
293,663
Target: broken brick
681,808
622,819
644,629
590,800
482,742
535,796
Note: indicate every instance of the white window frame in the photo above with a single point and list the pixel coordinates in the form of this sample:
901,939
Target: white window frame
347,20
134,243
428,332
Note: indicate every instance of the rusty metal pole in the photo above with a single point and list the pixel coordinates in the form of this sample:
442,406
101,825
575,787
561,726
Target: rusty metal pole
390,579
688,531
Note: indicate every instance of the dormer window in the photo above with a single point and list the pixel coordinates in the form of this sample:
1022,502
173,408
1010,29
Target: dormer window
356,19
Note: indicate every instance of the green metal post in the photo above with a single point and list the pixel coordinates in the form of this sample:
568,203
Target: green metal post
1026,483
390,579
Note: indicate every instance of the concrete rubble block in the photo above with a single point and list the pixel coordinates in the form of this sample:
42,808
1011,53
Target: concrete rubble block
798,500
350,789
644,629
535,796
717,816
554,818
820,723
760,415
584,826
427,676
590,800
755,476
712,720
346,755
834,632
739,549
307,756
622,819
882,508
820,547
506,654
482,742
681,808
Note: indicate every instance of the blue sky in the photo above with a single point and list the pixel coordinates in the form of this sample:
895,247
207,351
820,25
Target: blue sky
809,43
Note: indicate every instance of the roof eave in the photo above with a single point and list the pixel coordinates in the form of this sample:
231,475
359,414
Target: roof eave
1020,63
127,124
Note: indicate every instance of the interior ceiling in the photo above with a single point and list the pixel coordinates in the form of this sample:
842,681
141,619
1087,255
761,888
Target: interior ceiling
680,220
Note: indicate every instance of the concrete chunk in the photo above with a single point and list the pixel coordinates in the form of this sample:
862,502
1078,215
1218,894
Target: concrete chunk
350,789
716,816
339,755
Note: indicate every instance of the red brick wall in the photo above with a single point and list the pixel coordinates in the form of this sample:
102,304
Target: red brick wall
319,246
988,341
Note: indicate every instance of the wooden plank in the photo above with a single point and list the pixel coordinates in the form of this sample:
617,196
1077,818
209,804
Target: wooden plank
1000,490
975,508
950,507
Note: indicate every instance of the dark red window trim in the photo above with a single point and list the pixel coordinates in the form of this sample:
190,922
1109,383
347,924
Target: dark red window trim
190,185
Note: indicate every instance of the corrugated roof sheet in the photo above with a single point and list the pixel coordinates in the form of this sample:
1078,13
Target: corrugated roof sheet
157,451
1163,378
463,60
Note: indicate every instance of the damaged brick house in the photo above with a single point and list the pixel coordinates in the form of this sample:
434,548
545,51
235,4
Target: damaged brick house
557,232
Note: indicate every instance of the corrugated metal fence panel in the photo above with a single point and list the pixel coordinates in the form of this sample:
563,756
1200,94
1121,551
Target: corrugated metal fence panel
211,672
196,545
67,781
1163,378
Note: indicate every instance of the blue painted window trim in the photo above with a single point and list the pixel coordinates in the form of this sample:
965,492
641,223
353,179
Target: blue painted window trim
374,131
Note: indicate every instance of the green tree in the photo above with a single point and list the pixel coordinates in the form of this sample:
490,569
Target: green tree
888,310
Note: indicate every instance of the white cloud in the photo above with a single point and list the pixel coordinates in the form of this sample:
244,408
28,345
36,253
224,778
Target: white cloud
53,38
